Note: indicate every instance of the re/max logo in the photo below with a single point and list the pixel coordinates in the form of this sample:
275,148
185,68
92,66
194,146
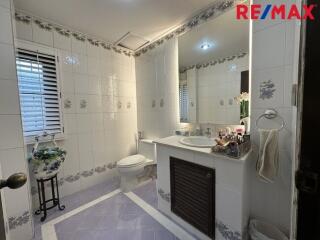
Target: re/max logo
260,12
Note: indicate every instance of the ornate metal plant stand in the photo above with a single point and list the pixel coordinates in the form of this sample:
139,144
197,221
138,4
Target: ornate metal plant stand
42,196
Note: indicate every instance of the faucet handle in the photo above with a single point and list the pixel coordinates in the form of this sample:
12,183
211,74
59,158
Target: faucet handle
208,133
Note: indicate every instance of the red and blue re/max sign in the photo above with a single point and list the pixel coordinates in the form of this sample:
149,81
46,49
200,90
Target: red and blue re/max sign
271,11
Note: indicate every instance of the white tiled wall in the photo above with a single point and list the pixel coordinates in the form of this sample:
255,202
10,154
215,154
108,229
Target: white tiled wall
217,87
275,44
12,156
103,132
157,90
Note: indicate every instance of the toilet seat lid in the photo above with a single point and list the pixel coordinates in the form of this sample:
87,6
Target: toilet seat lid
131,161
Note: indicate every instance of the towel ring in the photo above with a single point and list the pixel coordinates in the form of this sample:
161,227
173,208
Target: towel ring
271,114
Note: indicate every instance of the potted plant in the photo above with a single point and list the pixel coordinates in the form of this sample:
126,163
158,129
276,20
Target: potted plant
243,100
46,161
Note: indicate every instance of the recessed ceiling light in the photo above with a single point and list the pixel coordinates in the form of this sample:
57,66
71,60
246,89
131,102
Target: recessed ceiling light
232,67
205,46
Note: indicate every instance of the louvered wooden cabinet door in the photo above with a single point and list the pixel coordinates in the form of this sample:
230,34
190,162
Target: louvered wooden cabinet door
193,194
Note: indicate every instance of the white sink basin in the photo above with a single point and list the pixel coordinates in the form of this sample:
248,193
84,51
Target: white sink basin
200,142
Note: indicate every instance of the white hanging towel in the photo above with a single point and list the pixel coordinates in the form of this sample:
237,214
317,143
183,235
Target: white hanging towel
268,161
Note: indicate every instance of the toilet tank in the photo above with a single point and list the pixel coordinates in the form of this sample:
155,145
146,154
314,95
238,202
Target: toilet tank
147,149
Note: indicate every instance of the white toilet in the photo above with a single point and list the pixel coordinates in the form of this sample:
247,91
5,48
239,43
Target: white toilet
131,167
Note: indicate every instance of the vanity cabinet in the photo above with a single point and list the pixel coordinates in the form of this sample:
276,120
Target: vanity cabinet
228,187
192,190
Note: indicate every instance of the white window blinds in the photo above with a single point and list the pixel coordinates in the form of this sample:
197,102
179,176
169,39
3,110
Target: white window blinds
183,100
39,93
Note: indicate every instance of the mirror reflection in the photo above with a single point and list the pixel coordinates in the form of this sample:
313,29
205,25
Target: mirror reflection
214,72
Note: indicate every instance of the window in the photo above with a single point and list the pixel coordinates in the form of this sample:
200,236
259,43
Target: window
183,100
39,93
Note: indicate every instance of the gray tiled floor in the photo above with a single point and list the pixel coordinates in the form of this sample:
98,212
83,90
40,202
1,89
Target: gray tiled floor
117,218
148,192
76,200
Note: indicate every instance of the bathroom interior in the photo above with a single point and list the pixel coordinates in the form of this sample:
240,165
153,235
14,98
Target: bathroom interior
146,120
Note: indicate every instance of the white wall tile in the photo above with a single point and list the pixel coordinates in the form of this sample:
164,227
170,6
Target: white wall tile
70,123
97,122
69,97
5,3
5,26
269,47
81,83
277,76
85,152
82,103
274,57
291,28
67,80
7,59
78,47
109,104
94,85
71,165
9,97
95,104
24,30
229,210
80,64
92,50
93,133
93,66
288,84
61,42
66,61
42,36
10,131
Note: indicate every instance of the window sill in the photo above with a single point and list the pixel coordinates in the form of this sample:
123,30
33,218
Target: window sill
31,139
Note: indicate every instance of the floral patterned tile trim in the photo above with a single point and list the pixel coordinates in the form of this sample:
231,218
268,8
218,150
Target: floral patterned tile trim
226,232
216,9
18,221
76,177
165,196
213,62
48,26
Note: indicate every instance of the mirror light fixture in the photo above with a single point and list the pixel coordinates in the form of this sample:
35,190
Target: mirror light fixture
205,46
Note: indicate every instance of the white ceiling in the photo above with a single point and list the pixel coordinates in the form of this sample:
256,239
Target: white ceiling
226,34
111,19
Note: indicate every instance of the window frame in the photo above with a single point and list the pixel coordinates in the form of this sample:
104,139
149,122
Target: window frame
30,46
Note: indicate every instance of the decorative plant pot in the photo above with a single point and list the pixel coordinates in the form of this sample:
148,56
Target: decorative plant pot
44,171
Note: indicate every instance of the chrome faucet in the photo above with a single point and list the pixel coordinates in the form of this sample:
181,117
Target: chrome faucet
208,132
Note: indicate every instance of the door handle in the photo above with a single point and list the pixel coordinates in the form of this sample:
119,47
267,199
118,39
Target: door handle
15,181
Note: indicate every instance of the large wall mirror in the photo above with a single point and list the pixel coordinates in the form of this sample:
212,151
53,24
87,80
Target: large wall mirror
214,71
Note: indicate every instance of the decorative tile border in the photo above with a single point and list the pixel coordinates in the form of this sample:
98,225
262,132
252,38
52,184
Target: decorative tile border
48,26
86,174
83,103
215,10
226,232
77,176
267,89
72,178
213,62
67,104
18,221
165,196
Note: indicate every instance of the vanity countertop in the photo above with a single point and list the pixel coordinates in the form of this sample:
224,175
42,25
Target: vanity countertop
174,141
